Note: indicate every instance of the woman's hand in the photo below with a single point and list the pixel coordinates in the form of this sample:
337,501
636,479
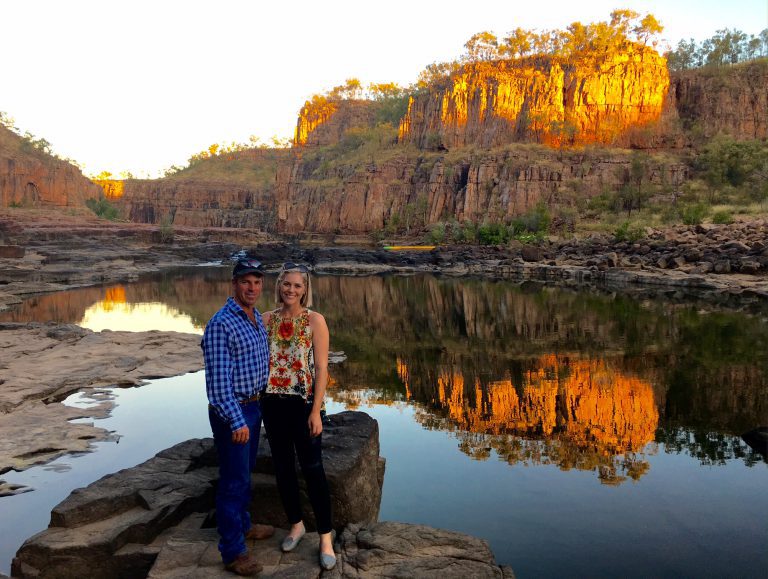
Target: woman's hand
315,423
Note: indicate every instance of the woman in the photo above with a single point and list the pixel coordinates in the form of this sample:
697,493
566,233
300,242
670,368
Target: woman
292,404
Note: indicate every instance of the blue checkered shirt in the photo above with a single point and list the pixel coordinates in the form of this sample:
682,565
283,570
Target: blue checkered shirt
236,354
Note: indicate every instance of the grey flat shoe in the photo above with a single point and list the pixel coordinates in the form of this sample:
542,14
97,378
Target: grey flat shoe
289,543
327,562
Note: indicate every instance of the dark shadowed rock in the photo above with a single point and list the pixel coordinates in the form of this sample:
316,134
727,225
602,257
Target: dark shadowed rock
530,253
378,550
352,464
116,526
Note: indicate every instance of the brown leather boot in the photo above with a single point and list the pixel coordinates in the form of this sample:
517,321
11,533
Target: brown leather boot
244,565
259,531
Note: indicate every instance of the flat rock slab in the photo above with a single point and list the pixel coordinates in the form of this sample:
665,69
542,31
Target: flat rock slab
116,526
384,549
41,364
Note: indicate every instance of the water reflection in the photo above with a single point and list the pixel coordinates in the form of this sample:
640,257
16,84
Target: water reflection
114,312
574,425
535,374
574,413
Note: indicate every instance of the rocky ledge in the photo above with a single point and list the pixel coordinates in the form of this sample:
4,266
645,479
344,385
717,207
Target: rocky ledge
43,363
157,520
385,549
706,260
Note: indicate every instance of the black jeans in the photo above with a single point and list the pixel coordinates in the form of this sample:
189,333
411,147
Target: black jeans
285,420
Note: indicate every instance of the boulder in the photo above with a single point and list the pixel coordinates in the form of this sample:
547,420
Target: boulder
117,525
354,469
723,266
530,253
392,549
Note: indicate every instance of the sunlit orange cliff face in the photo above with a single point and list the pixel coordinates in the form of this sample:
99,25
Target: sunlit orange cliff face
548,99
313,114
113,188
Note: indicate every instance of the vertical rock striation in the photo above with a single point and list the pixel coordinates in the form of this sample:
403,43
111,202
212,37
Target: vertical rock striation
542,99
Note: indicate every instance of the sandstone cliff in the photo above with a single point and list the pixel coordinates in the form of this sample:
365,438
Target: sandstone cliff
430,187
324,122
31,178
731,100
232,190
461,153
542,99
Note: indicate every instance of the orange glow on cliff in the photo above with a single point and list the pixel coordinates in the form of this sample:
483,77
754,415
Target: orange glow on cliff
313,114
547,99
113,188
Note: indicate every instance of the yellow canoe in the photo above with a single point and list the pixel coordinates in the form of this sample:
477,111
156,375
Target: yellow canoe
409,247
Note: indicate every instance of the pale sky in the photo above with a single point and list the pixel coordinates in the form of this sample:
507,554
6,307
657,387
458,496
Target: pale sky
142,85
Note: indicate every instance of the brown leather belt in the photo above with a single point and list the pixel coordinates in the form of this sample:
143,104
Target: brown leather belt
255,398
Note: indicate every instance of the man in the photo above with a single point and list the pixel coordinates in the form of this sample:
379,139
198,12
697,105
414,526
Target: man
236,356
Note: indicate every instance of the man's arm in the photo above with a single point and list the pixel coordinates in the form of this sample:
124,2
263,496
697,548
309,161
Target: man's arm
218,376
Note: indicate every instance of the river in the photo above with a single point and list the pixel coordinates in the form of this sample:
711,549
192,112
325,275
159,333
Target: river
580,433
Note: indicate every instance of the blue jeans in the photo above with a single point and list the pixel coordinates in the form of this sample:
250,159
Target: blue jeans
233,495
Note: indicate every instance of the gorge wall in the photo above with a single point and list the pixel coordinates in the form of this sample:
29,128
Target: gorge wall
428,188
31,178
626,99
731,100
196,203
543,99
490,143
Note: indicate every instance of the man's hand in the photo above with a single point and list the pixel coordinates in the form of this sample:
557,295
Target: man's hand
241,435
315,424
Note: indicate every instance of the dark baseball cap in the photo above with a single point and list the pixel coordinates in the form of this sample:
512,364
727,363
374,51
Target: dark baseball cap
245,266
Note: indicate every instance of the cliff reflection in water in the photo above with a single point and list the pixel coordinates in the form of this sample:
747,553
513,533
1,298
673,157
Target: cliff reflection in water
534,375
574,413
115,312
550,376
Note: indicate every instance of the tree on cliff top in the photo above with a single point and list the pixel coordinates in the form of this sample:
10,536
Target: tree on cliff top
625,27
725,47
481,46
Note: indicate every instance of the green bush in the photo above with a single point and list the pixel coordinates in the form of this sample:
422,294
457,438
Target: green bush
391,109
627,232
437,233
535,221
167,233
527,238
694,213
103,208
492,234
722,217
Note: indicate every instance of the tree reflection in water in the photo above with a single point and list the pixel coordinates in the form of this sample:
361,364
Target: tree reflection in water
532,374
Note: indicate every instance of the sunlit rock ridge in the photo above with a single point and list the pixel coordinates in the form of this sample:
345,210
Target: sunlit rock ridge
546,99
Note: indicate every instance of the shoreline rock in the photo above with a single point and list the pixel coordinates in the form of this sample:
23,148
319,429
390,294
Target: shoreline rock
704,259
155,520
44,363
121,521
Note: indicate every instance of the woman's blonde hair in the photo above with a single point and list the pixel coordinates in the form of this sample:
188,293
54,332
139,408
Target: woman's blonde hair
306,299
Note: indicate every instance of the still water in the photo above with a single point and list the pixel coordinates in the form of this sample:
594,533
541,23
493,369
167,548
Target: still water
580,434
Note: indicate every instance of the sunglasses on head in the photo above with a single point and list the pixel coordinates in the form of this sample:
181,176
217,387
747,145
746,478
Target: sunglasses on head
250,263
290,266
